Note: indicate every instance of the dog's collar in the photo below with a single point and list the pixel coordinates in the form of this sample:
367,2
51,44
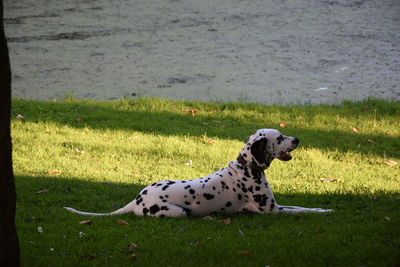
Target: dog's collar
241,160
244,162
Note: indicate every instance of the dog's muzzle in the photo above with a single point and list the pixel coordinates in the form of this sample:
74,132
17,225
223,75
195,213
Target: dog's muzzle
286,156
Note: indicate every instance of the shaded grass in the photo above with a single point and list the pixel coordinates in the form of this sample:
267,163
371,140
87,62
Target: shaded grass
105,152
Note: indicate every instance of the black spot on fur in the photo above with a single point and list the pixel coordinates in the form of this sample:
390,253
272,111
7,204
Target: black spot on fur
260,199
187,187
257,188
154,209
165,187
239,196
164,208
145,211
208,196
191,191
139,199
280,139
144,192
271,207
187,203
228,204
246,172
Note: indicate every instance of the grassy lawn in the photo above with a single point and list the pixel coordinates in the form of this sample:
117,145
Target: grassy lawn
96,156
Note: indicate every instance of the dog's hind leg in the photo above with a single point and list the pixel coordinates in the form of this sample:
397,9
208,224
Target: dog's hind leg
296,209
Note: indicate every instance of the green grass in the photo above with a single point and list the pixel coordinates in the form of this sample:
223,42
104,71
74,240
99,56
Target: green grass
100,155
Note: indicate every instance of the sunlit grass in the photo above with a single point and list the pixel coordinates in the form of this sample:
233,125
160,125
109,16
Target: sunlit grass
96,156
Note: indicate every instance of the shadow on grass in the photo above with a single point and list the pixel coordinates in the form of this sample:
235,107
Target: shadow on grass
50,194
130,116
363,230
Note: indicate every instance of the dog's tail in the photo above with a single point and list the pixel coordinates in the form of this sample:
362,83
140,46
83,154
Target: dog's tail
128,208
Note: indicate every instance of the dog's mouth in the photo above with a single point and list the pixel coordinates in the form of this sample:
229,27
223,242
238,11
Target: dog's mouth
285,156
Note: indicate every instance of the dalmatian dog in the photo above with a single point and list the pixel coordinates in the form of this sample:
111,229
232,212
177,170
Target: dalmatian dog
242,186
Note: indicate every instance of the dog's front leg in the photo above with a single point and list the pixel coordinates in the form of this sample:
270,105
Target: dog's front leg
296,209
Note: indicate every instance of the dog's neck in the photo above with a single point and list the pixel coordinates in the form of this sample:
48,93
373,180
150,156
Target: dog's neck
250,165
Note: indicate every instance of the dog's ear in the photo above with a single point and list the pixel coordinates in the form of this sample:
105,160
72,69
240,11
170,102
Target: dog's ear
259,150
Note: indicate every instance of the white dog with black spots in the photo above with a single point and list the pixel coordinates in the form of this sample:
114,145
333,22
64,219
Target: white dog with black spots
242,186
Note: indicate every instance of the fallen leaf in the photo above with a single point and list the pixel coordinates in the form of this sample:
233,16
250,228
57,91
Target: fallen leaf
208,218
282,125
131,257
371,141
225,221
193,111
122,222
86,222
132,246
244,252
328,179
39,229
205,123
391,162
354,129
202,136
43,191
387,218
211,141
53,171
195,244
82,234
241,232
19,116
79,151
78,120
189,162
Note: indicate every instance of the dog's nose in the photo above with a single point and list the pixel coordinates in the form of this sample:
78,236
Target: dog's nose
296,141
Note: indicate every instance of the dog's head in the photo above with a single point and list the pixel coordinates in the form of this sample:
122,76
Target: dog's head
265,145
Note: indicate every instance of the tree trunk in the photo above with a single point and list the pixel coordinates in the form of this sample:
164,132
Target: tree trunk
9,247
